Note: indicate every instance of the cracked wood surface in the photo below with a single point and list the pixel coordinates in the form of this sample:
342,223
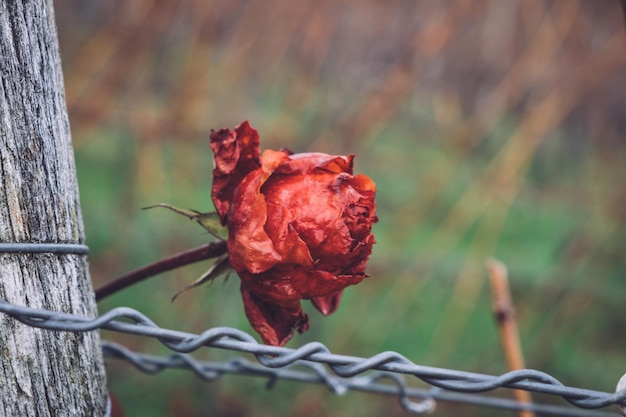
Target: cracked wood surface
42,373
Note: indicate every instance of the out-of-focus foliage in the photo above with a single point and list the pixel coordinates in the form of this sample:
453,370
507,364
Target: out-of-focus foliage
492,128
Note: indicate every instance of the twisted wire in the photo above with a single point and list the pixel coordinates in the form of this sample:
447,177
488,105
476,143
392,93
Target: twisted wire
343,366
310,372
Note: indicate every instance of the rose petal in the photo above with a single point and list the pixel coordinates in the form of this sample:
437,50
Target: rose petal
274,284
327,304
275,323
236,153
310,202
335,249
364,184
328,213
287,240
249,247
271,160
317,283
306,163
360,254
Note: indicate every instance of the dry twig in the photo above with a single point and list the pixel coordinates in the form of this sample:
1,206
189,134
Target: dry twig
504,312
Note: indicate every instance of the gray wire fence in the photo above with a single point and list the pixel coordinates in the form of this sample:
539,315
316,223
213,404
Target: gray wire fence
314,363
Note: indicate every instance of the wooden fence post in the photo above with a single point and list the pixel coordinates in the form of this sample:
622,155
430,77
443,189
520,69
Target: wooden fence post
42,373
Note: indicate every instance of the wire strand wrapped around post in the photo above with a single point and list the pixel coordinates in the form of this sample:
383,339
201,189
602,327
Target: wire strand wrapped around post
58,248
344,366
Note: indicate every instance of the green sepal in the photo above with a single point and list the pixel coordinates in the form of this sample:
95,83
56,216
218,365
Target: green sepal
220,267
209,221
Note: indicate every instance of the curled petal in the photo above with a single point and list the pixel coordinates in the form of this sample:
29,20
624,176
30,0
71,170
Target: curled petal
364,184
236,153
248,243
317,283
313,207
272,160
335,249
306,163
360,212
287,241
275,323
274,284
249,246
327,304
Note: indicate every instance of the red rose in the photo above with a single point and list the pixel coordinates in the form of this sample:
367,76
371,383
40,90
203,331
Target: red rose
299,227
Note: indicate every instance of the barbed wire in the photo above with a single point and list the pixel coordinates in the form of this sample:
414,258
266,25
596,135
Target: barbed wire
315,373
385,365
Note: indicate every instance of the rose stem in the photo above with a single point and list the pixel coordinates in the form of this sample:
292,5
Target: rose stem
504,312
210,250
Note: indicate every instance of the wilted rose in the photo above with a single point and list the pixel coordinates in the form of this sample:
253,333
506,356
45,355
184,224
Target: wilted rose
299,227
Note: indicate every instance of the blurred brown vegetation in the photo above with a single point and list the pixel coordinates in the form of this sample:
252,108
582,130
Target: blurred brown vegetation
491,127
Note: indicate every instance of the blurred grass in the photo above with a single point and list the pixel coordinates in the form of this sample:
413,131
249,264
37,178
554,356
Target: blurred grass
491,128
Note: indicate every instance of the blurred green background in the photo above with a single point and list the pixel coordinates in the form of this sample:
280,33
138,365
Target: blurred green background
492,128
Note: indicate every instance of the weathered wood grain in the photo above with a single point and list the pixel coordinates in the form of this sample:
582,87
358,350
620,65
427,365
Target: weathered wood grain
42,373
